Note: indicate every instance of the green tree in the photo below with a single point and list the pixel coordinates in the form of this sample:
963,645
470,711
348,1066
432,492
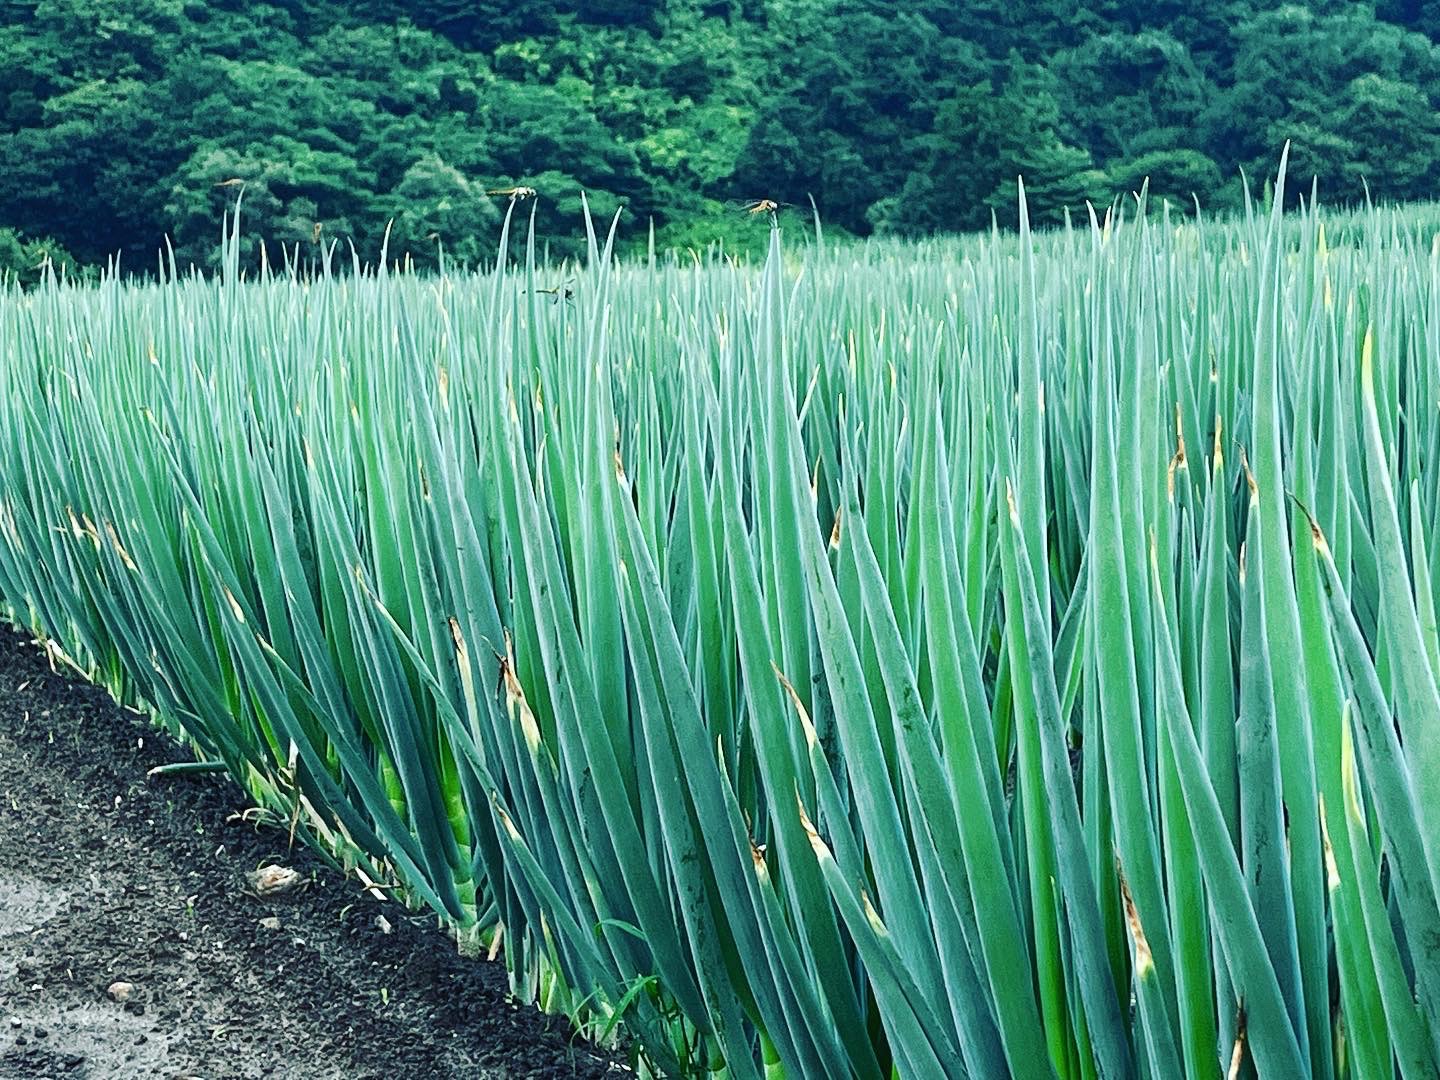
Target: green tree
435,207
27,262
118,118
1322,80
982,141
852,108
1175,176
1134,100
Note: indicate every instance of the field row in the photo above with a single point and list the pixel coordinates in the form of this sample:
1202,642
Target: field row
1004,657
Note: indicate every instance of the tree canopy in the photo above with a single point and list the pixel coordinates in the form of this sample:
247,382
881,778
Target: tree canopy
124,123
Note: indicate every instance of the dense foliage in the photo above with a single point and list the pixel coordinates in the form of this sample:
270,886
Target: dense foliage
118,119
996,657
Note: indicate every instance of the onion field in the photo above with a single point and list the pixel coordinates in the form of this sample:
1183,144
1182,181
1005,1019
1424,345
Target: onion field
1003,656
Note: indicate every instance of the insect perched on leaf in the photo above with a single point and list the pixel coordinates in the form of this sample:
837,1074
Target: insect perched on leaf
514,194
560,292
756,207
762,206
505,679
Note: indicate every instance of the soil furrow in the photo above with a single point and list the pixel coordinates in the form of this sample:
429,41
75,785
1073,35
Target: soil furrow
107,877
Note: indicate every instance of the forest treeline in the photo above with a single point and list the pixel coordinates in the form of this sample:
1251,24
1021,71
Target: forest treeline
124,122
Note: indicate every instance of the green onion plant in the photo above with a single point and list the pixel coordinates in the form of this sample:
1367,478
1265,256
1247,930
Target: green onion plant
1003,656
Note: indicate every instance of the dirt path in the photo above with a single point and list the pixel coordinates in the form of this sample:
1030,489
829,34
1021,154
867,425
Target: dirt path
106,877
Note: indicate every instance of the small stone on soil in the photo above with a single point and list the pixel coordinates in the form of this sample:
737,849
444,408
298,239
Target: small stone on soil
274,881
120,991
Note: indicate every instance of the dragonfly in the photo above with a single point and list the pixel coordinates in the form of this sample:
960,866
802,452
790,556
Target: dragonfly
560,292
514,194
763,206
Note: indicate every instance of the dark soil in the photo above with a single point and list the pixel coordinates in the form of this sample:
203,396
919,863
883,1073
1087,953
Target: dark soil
106,876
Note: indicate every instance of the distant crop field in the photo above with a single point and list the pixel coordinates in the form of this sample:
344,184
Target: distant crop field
1003,656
